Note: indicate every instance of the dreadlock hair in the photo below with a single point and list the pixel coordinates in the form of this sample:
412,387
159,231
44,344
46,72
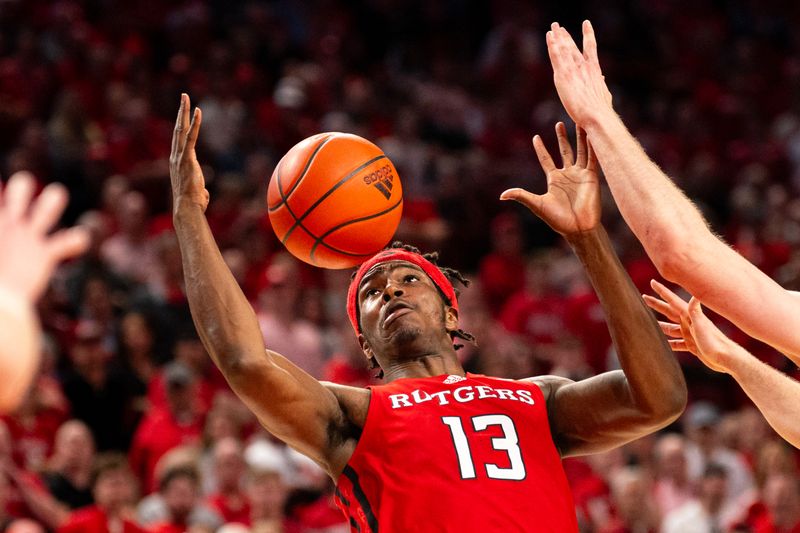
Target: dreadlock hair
451,274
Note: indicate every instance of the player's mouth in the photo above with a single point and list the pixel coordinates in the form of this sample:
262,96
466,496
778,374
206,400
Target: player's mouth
397,310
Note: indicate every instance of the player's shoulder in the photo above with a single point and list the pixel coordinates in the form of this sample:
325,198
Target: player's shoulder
548,384
354,401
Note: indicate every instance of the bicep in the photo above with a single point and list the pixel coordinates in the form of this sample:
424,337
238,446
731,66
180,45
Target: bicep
735,288
291,404
595,415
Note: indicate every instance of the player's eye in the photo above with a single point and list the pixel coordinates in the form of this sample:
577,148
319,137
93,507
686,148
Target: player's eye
371,292
410,278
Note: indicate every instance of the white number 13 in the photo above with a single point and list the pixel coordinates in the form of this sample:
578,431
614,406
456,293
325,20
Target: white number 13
508,443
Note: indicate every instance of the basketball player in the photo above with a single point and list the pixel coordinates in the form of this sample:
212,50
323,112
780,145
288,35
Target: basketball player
28,256
435,448
683,248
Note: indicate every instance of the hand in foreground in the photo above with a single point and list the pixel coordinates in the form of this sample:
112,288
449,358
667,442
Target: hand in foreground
690,329
571,204
28,254
186,176
579,81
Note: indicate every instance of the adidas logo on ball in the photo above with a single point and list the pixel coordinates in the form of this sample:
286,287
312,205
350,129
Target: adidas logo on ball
382,179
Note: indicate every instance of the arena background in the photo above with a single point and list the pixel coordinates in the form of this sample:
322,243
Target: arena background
453,92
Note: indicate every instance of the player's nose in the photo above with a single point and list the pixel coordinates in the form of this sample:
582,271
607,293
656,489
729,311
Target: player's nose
391,291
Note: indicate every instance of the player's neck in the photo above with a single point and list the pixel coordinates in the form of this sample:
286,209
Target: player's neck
423,366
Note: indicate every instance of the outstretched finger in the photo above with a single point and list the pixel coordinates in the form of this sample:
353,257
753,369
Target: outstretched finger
534,202
675,301
67,243
571,47
662,307
48,207
580,144
194,129
178,133
543,155
590,45
186,106
678,345
670,329
567,157
19,191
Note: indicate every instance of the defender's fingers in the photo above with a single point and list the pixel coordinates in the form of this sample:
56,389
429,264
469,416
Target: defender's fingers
567,157
571,47
678,345
48,207
670,329
558,47
590,45
194,129
68,243
670,297
19,191
580,143
662,307
543,155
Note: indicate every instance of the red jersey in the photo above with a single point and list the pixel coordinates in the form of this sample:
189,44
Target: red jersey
449,453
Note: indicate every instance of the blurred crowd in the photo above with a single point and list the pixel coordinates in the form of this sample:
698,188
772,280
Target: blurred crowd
129,427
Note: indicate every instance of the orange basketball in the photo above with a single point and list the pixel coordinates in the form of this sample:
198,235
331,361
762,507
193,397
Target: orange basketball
334,200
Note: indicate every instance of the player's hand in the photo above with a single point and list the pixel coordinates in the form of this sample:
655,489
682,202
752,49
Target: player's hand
579,81
28,254
186,176
690,329
571,204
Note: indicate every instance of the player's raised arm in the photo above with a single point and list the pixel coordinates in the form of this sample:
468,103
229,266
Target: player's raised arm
672,230
608,410
291,404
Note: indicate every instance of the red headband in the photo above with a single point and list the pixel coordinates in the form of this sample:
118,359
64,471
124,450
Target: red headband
396,254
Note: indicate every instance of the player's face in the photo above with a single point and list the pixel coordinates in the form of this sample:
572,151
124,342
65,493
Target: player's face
399,305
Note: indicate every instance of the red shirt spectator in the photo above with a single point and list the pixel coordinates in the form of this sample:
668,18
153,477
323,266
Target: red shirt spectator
93,519
114,494
163,429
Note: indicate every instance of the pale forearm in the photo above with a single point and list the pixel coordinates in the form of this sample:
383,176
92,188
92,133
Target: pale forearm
19,346
658,212
224,318
775,394
654,378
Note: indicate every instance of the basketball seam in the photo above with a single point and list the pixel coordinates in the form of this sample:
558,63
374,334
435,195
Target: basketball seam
285,197
321,238
299,221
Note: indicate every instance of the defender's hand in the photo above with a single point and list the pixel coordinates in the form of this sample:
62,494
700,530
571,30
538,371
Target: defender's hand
29,254
571,204
690,329
186,176
579,81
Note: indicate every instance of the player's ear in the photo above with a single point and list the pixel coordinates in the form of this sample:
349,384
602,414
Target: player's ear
451,319
365,346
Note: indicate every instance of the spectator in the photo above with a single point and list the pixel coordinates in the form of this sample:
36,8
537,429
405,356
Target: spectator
701,420
99,398
703,514
164,428
69,469
177,505
131,253
673,488
114,491
229,500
